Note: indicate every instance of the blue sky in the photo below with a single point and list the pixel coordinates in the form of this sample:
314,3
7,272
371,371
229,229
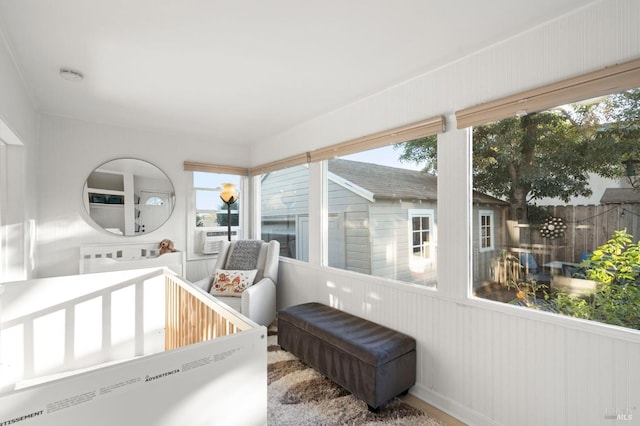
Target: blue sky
386,156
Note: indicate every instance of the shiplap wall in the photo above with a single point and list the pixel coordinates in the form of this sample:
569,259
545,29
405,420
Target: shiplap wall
487,363
483,362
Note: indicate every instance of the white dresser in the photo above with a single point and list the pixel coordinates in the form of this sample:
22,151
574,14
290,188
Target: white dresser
126,256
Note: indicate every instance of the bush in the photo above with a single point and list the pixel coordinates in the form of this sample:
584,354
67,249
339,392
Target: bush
615,266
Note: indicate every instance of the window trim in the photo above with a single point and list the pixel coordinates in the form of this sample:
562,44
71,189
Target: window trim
430,213
192,166
491,215
191,252
612,79
423,128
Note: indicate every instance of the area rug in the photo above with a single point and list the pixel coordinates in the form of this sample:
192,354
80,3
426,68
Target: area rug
298,395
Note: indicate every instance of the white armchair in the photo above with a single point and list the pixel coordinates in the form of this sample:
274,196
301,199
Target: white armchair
257,302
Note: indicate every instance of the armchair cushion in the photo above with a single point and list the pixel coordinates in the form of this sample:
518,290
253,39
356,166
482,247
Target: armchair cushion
258,301
232,283
244,254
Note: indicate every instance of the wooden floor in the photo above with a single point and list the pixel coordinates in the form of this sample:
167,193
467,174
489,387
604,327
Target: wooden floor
432,411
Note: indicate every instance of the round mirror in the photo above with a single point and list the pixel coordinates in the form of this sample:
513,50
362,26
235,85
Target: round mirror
128,197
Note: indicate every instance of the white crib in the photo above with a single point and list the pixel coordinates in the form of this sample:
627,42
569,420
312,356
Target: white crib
127,348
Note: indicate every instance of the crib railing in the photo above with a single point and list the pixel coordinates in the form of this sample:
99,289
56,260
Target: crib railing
51,331
101,318
191,316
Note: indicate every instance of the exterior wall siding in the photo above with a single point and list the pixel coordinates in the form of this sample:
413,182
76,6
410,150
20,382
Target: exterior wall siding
354,210
484,261
284,199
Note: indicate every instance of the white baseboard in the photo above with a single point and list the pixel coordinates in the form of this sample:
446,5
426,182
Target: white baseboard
451,407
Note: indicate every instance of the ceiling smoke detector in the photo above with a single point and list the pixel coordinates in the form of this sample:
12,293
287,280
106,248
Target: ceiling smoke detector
71,75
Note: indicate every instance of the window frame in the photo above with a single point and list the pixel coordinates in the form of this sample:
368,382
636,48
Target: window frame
421,213
192,237
611,80
481,236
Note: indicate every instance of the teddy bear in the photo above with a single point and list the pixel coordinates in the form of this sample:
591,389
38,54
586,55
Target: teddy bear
166,246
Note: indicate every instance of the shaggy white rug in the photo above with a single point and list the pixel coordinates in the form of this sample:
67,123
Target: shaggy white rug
298,395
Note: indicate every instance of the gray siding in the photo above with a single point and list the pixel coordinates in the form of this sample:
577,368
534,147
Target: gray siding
485,260
362,230
390,223
284,199
355,239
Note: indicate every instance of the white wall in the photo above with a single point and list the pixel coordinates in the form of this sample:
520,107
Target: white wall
489,364
18,113
71,149
484,362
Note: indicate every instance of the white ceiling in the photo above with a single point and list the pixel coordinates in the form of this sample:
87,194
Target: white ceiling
242,70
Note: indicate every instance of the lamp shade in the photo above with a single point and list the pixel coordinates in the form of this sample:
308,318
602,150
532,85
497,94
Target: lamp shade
229,194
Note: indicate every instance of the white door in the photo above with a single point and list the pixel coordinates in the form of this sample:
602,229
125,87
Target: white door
155,208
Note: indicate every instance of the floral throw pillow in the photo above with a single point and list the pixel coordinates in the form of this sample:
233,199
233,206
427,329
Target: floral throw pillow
231,283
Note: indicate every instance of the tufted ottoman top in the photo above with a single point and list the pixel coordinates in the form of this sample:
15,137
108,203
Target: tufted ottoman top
370,342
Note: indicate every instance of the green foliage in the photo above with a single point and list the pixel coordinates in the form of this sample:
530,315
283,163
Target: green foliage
420,151
547,154
521,159
530,293
537,215
615,266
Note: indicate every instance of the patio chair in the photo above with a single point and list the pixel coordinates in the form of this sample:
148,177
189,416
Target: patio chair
531,268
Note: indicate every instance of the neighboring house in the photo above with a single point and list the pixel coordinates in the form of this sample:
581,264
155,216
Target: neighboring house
621,196
368,204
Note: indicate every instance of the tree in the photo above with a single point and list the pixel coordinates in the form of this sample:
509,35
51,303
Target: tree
547,154
420,151
521,159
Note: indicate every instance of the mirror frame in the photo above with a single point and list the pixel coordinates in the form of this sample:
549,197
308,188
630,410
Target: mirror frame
112,196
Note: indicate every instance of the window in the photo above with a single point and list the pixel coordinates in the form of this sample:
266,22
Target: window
154,201
371,185
486,230
211,211
284,210
421,228
381,212
564,225
421,224
210,216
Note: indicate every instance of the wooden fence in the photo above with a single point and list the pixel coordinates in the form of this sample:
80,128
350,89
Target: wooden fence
587,228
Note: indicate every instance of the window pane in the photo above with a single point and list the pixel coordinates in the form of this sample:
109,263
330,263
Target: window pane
211,215
154,201
561,222
211,211
381,207
207,200
285,210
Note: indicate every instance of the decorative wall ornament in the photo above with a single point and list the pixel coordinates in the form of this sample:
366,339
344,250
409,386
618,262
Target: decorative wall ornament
553,228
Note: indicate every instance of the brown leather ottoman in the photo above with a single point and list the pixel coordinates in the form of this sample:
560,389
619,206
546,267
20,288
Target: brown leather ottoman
373,362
